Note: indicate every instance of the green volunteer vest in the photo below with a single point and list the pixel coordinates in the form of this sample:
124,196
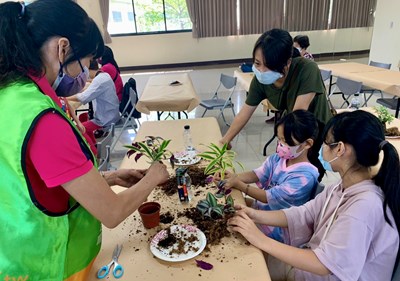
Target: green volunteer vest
34,243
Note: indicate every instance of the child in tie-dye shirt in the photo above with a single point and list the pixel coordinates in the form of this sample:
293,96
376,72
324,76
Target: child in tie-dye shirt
288,177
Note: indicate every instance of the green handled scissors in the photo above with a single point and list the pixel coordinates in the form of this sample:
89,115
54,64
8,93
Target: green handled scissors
118,269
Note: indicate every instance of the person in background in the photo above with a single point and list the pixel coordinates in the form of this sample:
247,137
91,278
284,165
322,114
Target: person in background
288,83
105,102
350,231
288,177
110,66
52,197
301,43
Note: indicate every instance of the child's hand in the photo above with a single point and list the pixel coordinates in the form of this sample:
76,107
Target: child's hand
81,128
232,181
243,224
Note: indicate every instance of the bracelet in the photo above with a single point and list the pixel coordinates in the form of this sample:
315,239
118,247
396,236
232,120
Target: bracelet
247,189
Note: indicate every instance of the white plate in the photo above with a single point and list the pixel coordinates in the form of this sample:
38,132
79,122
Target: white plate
164,254
185,159
392,137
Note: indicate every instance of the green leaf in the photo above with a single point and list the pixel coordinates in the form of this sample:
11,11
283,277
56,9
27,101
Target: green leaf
229,201
211,199
219,211
219,195
146,151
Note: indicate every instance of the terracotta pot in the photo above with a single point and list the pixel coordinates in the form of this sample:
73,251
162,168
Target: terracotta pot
150,214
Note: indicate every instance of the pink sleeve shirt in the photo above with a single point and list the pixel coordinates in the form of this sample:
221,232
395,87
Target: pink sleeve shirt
53,157
359,245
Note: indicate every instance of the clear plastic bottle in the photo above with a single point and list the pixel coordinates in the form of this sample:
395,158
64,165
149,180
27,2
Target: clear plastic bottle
187,140
355,102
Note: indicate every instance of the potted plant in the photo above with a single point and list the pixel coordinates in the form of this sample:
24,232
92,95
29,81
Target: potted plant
154,148
221,159
384,115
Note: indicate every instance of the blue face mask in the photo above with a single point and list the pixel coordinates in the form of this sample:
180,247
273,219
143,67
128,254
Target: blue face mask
268,77
326,164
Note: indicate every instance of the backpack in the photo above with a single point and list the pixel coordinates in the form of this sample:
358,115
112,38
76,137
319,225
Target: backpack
131,84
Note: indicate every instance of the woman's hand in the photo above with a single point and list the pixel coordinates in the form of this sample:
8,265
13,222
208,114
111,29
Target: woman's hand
243,224
124,177
157,173
80,126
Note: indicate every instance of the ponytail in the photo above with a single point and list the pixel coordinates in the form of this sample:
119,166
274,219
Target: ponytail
388,179
313,153
17,55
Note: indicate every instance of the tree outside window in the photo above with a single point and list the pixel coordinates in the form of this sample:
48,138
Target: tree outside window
148,16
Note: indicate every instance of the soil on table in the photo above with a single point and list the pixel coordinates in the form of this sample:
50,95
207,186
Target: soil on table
214,229
196,175
166,217
392,132
178,243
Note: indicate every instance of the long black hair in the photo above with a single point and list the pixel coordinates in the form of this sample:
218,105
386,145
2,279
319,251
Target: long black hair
302,125
25,29
277,47
365,133
108,57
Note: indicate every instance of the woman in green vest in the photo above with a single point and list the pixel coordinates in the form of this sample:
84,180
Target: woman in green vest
52,198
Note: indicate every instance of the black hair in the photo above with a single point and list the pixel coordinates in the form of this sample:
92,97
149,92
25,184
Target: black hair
277,47
296,53
93,65
25,29
302,40
108,57
365,133
301,125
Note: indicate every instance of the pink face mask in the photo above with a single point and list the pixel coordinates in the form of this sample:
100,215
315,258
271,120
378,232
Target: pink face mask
287,152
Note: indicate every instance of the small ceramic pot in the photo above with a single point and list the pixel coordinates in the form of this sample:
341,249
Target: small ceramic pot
150,214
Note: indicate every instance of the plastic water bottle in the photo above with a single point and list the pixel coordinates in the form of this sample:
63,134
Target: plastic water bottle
355,102
187,140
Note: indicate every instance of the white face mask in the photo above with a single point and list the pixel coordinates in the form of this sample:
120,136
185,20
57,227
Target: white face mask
268,77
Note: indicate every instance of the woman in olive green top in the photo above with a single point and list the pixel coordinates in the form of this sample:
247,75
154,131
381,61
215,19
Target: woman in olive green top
288,84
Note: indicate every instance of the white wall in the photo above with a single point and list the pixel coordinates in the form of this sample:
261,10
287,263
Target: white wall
182,48
385,46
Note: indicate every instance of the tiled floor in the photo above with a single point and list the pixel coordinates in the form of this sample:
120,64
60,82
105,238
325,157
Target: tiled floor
249,143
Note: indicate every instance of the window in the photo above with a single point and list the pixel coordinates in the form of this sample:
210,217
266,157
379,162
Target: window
117,16
148,16
130,16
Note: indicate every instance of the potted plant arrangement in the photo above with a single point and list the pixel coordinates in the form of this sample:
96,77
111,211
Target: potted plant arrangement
384,115
153,148
210,215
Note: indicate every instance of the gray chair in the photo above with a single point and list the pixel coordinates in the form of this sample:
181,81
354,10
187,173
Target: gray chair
347,89
371,91
216,103
127,120
104,149
392,103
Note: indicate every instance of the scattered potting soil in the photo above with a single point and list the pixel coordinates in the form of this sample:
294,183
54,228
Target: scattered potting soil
179,242
170,187
214,229
166,218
